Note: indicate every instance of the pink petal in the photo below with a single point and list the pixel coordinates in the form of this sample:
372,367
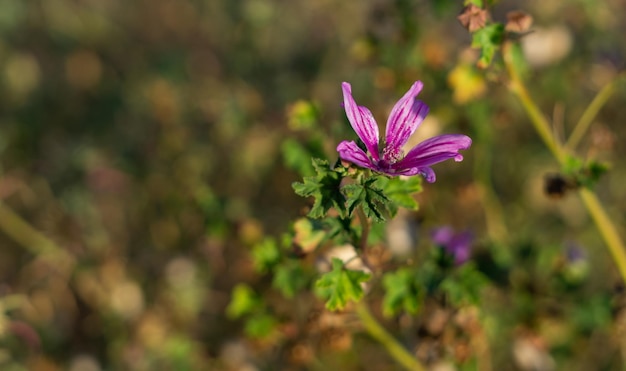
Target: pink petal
407,114
349,151
430,152
435,150
362,121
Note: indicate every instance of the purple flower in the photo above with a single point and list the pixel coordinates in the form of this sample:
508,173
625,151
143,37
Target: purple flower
403,120
459,245
574,252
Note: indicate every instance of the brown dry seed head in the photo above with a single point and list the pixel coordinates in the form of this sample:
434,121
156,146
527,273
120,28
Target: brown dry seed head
518,21
473,17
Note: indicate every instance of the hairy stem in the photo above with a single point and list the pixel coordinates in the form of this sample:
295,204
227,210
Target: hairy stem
378,332
603,222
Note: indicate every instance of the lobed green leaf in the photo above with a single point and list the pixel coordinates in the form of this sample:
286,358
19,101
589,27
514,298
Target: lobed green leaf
465,285
289,278
488,39
402,292
324,188
341,285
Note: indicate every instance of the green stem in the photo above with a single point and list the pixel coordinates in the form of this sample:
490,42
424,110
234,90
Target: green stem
378,332
590,113
607,229
11,302
395,349
539,121
365,229
32,240
605,226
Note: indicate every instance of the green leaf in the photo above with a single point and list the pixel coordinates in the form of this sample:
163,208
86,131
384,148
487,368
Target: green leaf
595,170
591,173
401,191
341,285
289,278
572,165
296,157
592,314
401,292
243,301
372,199
324,187
465,285
260,325
340,229
488,40
308,234
584,174
265,255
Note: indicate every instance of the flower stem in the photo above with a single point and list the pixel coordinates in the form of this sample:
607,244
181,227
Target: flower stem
365,229
591,112
378,332
32,240
539,121
607,229
605,226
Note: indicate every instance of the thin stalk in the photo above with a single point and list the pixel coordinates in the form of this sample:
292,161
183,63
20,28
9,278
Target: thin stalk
607,229
365,229
378,332
538,119
32,240
605,226
11,302
590,113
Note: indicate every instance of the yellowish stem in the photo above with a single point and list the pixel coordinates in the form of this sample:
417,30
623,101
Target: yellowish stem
32,240
590,113
603,222
378,332
538,119
607,229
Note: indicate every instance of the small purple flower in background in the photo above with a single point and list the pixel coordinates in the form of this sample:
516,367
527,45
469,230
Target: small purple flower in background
407,114
574,252
459,245
576,267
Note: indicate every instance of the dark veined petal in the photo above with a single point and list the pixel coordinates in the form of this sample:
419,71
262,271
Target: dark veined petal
405,117
432,151
362,121
349,151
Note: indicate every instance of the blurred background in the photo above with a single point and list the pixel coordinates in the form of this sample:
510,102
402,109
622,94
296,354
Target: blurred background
140,159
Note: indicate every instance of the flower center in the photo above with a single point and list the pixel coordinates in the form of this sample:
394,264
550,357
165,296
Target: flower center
392,155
